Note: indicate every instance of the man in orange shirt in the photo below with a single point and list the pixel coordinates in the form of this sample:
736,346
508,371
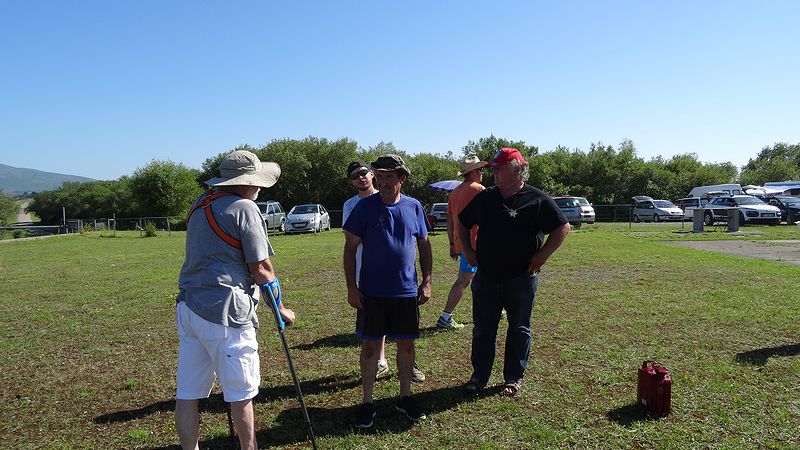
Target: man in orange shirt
472,171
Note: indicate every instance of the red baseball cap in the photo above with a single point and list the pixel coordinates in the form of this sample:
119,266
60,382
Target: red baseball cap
505,156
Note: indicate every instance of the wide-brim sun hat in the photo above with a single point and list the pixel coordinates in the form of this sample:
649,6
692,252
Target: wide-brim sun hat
470,163
243,168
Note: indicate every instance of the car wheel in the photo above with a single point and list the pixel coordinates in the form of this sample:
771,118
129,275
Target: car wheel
742,222
708,219
636,218
282,228
655,218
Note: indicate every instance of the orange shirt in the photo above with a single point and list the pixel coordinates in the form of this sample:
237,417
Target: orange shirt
459,198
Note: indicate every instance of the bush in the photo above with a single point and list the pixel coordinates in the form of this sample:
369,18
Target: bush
150,229
177,224
21,234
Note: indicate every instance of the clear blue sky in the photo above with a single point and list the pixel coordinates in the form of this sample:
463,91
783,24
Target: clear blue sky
101,88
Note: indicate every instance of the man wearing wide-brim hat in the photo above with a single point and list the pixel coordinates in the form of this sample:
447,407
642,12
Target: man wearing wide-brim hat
471,169
391,227
227,259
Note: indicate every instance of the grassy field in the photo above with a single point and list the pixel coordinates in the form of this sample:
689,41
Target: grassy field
88,349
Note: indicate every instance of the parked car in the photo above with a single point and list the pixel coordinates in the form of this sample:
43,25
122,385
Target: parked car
587,211
689,204
273,214
309,217
437,215
571,208
789,206
646,209
751,210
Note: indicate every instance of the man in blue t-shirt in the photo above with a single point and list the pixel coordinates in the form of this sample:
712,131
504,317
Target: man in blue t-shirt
391,228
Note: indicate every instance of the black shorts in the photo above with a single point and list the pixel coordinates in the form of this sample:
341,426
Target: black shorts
397,318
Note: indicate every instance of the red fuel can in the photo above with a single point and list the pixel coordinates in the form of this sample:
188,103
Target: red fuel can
654,388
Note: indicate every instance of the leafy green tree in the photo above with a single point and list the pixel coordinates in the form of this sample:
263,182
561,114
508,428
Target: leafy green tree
84,200
485,148
9,208
164,188
780,162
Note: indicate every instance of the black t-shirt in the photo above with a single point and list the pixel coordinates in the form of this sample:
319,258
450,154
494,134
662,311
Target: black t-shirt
511,230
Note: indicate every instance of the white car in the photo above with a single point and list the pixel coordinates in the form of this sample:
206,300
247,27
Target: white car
310,217
645,209
587,211
751,210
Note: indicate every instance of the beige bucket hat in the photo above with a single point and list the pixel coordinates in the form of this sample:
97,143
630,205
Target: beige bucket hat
243,168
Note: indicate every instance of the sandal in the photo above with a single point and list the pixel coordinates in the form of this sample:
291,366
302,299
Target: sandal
474,386
512,388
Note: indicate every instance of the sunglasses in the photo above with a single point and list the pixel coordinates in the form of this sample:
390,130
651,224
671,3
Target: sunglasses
360,173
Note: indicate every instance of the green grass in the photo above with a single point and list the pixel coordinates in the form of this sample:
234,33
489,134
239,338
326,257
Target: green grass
88,348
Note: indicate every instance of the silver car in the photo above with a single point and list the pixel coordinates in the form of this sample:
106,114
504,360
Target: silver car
571,208
645,209
309,217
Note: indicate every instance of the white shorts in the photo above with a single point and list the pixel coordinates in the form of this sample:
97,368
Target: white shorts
208,350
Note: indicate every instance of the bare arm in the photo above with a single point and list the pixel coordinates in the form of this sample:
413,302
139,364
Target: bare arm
263,272
554,240
451,234
426,266
351,243
466,245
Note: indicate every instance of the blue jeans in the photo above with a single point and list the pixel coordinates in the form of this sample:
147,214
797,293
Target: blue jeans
517,297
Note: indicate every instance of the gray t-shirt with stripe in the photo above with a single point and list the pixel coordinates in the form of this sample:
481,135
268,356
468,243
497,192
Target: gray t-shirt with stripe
214,281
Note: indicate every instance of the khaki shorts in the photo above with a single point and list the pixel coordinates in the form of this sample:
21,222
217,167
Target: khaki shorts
208,350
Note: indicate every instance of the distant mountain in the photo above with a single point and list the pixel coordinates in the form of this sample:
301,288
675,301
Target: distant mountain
16,181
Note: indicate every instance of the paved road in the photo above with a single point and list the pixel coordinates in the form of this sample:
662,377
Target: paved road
22,217
784,252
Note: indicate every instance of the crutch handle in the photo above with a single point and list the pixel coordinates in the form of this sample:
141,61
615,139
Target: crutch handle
268,287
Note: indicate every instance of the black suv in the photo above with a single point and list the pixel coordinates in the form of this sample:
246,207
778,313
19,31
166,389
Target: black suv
273,214
789,206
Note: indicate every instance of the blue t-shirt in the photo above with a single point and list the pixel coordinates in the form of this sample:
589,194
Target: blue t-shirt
389,236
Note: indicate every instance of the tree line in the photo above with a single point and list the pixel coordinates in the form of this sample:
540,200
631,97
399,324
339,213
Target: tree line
313,171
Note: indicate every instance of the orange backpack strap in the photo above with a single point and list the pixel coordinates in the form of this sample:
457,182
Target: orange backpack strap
205,203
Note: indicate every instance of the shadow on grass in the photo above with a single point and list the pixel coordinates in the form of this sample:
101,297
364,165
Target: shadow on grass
290,426
347,340
760,356
629,414
216,404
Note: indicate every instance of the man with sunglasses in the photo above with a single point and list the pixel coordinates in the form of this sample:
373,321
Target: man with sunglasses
472,171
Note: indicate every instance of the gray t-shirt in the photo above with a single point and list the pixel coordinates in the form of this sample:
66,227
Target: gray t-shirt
215,282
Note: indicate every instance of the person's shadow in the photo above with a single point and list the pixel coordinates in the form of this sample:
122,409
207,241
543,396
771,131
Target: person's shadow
759,357
292,429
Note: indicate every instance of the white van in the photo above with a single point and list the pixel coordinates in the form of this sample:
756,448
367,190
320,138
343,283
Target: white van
728,189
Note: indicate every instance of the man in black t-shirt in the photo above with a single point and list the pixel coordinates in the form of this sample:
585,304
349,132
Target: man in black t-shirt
513,219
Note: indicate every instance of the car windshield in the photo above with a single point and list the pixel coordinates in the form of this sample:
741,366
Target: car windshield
748,201
583,201
664,204
304,209
567,202
790,200
262,208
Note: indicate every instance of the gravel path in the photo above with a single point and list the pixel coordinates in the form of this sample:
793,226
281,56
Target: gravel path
785,252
